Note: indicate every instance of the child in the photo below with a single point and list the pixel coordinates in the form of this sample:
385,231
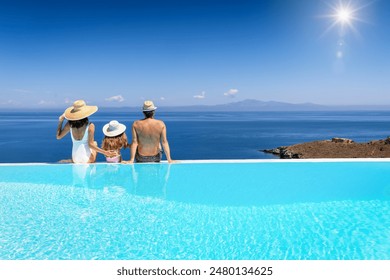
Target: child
114,140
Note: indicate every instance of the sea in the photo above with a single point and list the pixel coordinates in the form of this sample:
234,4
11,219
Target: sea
30,136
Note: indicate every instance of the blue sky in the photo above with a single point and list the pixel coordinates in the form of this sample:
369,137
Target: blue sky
119,53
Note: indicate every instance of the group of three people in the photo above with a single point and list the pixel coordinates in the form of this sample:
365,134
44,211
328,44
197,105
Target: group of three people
148,135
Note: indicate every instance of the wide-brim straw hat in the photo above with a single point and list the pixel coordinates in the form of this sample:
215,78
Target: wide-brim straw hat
79,111
148,106
113,128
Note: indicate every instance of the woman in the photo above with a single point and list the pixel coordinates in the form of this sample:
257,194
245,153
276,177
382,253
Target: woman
82,132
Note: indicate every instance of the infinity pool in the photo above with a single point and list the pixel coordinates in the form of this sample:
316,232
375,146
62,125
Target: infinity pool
196,210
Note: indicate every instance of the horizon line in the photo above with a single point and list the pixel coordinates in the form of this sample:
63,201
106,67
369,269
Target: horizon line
257,102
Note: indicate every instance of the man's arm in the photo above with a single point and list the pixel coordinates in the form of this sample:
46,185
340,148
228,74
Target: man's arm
165,144
134,144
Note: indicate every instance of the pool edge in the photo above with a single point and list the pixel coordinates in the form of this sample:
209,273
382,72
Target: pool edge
225,161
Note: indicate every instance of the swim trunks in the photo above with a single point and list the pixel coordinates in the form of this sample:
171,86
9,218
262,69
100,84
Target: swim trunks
140,158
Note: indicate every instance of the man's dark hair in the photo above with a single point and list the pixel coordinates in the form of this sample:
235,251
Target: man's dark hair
149,114
78,123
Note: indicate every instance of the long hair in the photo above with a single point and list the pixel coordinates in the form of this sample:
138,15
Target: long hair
78,123
115,143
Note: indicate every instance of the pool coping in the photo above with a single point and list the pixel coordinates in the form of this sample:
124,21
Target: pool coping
225,161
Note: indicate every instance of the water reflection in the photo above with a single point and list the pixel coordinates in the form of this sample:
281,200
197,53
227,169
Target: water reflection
238,184
149,180
82,174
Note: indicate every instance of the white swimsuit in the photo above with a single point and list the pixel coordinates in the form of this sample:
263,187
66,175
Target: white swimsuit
81,151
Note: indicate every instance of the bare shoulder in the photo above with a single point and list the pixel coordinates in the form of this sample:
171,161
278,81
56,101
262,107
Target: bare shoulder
136,123
160,122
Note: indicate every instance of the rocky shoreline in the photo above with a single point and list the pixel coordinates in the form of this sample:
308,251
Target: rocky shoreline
334,148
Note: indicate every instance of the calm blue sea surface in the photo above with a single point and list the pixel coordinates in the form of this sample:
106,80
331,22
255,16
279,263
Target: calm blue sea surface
30,136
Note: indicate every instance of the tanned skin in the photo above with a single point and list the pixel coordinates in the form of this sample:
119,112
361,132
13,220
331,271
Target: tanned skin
148,136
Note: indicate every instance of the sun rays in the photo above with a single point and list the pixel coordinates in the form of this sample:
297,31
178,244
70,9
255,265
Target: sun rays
344,17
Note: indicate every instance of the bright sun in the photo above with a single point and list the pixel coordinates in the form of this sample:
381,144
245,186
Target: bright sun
344,15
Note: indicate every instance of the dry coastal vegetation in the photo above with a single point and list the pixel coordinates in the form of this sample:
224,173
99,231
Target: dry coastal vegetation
335,148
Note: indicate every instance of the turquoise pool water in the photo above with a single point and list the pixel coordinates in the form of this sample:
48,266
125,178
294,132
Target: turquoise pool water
196,210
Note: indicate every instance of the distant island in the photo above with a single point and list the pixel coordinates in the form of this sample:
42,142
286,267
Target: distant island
248,105
253,105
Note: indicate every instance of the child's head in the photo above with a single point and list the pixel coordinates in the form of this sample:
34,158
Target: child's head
115,137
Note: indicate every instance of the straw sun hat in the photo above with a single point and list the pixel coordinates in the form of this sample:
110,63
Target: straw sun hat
79,111
113,128
149,106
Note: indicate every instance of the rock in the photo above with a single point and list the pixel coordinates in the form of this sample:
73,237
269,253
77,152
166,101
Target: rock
286,153
275,151
283,152
342,140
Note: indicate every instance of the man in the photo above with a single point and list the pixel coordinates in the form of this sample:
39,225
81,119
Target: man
148,135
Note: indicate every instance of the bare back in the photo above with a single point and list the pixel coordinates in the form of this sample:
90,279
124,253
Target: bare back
148,132
78,133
